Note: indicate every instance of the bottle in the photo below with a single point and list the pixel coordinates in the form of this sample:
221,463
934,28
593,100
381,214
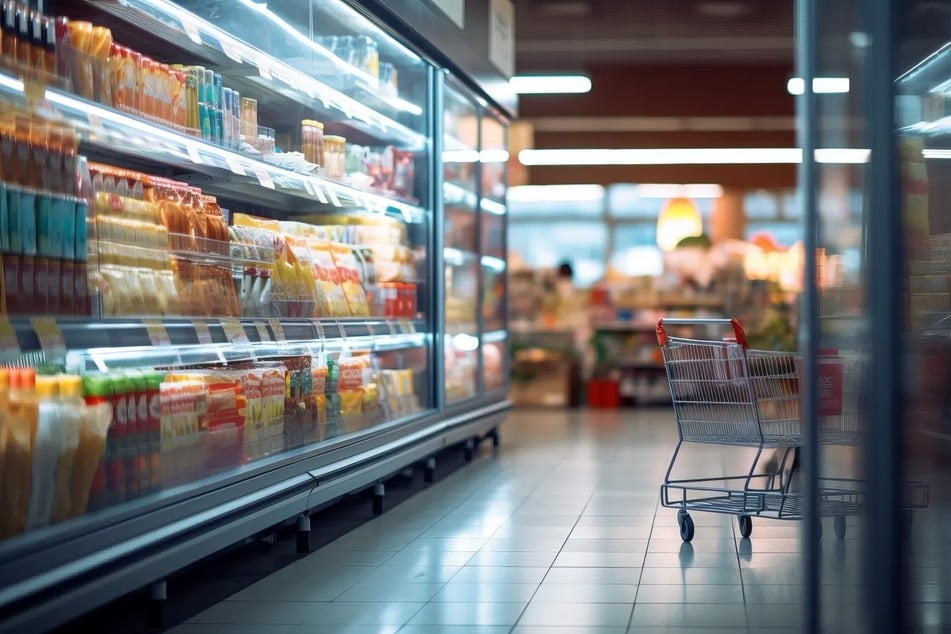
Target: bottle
97,392
24,47
47,445
4,418
18,464
71,409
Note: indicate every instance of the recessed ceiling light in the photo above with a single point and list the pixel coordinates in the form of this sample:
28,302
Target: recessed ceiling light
550,84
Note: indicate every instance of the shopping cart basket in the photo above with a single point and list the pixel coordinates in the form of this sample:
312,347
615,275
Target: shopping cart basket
725,393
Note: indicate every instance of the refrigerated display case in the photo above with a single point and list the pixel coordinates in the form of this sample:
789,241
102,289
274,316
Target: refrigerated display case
474,189
221,296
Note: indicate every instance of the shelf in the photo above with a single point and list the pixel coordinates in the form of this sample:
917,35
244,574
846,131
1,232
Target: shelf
456,196
111,344
103,131
188,31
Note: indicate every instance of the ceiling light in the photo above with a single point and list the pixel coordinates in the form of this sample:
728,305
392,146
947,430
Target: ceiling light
554,193
665,190
550,84
820,85
687,156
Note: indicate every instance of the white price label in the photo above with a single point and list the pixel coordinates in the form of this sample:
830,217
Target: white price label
202,332
320,195
319,328
51,338
158,335
9,345
406,327
264,178
234,331
341,330
277,329
228,48
309,186
263,335
191,30
234,164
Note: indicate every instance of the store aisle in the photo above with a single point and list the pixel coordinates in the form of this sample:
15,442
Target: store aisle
561,531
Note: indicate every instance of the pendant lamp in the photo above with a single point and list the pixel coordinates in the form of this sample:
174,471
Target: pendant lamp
679,219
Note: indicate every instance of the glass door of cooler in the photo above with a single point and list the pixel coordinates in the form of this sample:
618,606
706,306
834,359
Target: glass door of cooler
461,244
493,223
255,239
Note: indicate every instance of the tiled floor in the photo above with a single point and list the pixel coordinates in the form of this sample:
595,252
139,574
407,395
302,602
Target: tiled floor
559,532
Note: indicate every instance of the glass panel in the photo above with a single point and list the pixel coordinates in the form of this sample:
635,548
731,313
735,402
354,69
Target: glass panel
582,244
843,320
461,253
923,106
298,261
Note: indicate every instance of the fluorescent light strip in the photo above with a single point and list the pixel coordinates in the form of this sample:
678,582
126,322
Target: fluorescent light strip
454,257
693,190
555,193
820,85
493,156
460,156
687,156
494,263
550,84
492,207
495,336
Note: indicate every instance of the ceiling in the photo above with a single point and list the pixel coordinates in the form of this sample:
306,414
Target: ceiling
573,34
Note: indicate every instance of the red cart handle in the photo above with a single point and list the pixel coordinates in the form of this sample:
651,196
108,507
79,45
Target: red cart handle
737,328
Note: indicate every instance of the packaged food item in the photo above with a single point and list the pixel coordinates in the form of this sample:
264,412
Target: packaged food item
349,274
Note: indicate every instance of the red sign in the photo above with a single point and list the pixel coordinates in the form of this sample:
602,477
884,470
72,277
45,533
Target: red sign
830,387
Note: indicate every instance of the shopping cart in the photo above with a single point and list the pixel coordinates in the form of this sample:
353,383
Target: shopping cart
723,393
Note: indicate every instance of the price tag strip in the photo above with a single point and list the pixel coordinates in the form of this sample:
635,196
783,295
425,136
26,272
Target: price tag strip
263,334
9,344
277,329
202,332
235,165
51,338
234,332
191,30
158,334
319,329
230,49
264,178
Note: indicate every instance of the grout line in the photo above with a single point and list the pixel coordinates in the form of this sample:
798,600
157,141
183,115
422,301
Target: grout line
552,565
647,549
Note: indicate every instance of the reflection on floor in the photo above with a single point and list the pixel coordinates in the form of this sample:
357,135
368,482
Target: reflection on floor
561,531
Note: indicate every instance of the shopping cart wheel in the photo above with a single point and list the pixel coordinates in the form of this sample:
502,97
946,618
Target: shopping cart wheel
839,525
686,525
746,525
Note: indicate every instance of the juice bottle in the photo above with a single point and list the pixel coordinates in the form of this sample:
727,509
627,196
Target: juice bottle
4,418
18,463
153,383
97,392
71,408
47,445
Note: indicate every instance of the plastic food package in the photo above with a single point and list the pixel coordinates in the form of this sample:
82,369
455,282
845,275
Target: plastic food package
349,272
